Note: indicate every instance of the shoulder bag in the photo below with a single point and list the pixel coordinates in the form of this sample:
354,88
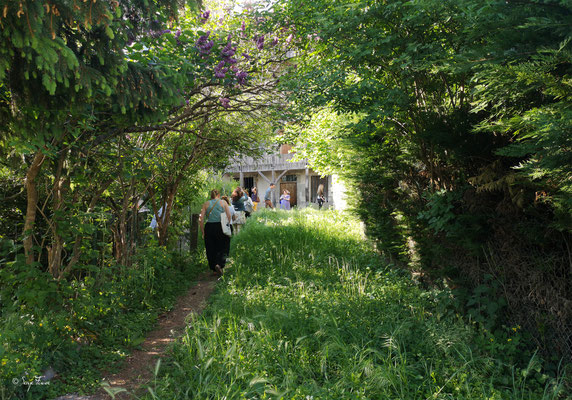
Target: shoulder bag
225,224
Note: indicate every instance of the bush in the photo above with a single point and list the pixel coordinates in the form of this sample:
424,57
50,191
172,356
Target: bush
75,329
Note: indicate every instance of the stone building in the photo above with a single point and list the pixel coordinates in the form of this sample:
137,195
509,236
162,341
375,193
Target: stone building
295,176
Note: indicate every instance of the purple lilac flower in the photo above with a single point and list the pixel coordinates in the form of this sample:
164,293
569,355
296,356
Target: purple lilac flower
203,39
228,51
243,26
225,102
246,56
241,77
204,45
220,71
178,33
229,37
274,41
289,39
260,42
205,16
158,34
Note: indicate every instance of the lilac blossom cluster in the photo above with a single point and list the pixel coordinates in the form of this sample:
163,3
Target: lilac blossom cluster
204,17
259,40
204,44
220,70
241,77
228,52
158,34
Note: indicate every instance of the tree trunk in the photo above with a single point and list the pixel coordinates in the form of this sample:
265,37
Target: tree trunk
32,198
57,246
121,245
165,219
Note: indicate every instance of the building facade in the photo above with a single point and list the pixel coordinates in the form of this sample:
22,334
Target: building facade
295,176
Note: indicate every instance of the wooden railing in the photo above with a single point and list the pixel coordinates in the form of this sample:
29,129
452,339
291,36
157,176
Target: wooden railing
279,162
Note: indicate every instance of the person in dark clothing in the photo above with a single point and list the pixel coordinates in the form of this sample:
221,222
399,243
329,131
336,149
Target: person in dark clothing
217,244
320,199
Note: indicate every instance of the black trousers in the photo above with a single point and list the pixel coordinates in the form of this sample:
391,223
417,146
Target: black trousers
217,245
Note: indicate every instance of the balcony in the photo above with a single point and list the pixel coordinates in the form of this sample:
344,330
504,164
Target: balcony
279,162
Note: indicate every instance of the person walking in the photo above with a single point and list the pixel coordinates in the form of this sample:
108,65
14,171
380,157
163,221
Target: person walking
232,212
285,200
217,244
255,199
320,199
238,199
267,200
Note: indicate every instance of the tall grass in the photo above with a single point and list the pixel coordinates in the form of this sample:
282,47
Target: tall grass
308,311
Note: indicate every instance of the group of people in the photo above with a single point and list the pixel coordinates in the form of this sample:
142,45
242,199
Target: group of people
284,198
236,208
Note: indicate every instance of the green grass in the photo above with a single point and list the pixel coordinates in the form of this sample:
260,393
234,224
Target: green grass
83,327
307,310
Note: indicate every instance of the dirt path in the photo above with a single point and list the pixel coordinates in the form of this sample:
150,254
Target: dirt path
138,367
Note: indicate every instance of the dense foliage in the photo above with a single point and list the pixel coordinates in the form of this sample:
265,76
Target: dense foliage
308,309
449,120
461,159
110,114
109,110
58,337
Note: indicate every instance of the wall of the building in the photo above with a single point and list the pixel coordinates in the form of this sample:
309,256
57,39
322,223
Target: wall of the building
338,190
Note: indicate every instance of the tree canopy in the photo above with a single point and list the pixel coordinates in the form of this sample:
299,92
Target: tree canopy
457,136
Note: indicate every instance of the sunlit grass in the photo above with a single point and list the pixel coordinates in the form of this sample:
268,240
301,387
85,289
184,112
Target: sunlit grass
308,310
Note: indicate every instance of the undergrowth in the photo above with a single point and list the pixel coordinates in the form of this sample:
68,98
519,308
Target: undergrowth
57,337
307,310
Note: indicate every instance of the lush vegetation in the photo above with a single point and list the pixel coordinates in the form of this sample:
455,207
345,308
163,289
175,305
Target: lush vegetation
112,113
67,333
308,309
451,122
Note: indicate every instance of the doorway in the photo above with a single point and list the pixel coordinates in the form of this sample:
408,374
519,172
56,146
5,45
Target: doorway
248,184
317,181
291,187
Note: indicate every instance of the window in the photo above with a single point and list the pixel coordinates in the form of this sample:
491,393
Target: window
289,178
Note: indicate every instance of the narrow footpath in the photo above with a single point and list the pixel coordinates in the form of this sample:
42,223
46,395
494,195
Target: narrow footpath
137,369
